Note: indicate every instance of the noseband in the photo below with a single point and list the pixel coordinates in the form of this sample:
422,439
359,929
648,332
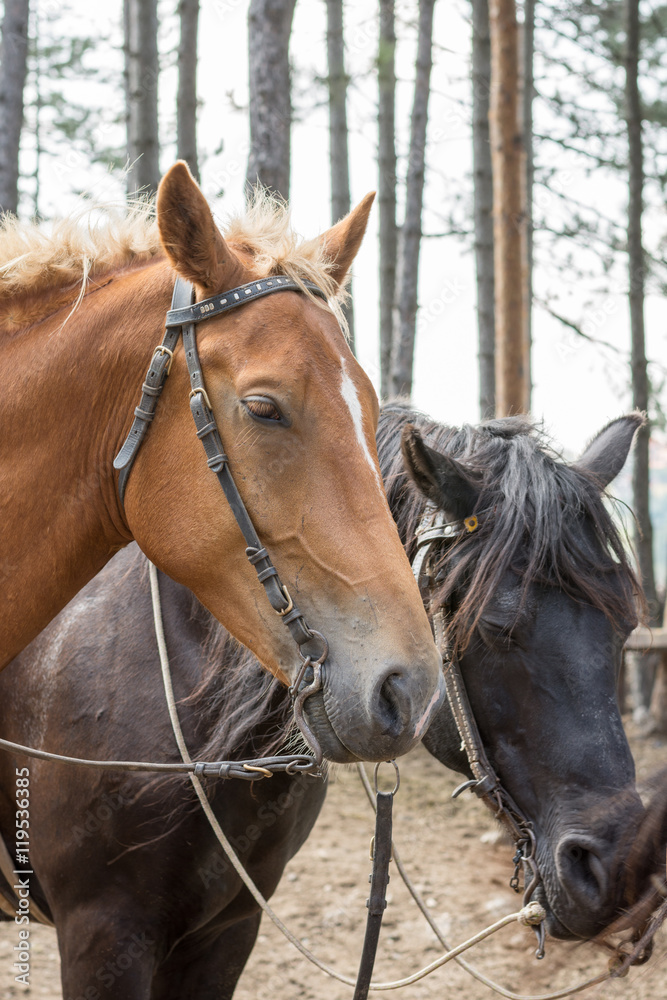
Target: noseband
485,782
182,319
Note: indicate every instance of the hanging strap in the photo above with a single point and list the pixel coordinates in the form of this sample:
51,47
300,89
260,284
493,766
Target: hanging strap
377,901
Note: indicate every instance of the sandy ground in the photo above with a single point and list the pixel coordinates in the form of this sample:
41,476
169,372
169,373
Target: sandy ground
449,850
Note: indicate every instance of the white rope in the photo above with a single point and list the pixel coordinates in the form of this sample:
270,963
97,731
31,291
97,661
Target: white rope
521,916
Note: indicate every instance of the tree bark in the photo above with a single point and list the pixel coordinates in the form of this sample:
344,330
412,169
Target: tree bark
483,207
512,362
338,145
13,63
141,90
642,666
636,269
387,187
269,28
186,99
411,231
527,57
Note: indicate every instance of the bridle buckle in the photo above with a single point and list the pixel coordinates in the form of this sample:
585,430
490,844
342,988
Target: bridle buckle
161,349
201,390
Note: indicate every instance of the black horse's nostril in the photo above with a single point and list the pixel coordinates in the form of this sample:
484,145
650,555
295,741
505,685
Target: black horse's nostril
393,705
582,870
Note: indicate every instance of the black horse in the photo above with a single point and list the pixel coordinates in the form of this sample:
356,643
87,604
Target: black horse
539,599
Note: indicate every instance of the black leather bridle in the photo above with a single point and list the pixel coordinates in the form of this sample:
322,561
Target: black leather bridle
432,532
182,319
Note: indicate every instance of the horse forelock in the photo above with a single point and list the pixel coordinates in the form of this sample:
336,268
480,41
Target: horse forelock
538,516
98,240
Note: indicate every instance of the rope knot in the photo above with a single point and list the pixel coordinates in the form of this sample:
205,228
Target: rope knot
531,915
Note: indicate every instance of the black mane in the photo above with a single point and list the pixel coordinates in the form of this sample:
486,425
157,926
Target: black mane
244,711
539,516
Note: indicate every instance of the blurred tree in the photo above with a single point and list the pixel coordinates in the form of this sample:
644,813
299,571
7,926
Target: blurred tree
636,277
338,145
483,207
526,61
13,64
411,230
388,241
141,92
512,348
269,29
186,98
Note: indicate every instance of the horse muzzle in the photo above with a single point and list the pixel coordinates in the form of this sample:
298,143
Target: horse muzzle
378,721
582,890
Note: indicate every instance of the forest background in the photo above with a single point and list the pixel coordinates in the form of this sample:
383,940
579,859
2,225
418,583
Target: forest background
74,141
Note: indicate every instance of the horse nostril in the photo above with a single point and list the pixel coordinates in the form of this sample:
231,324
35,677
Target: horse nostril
391,707
582,870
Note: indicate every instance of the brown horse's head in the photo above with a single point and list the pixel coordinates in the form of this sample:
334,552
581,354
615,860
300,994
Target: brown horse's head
297,417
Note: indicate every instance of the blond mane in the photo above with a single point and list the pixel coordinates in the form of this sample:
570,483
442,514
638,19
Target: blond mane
94,242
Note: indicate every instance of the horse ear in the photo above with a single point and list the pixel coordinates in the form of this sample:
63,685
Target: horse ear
605,456
446,482
342,241
190,237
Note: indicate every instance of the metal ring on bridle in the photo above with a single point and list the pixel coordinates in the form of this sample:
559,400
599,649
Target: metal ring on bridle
398,776
325,649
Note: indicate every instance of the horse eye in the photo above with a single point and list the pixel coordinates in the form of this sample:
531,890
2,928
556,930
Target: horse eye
262,408
496,635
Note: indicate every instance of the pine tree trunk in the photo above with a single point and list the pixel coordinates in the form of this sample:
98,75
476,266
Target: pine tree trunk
141,89
186,99
512,363
387,187
13,59
483,206
338,145
643,541
526,125
269,28
411,231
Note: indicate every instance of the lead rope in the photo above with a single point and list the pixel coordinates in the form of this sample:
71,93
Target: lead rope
527,916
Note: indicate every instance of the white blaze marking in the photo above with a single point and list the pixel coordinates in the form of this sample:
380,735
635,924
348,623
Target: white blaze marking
351,397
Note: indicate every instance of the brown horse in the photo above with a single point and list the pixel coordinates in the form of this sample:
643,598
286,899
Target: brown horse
80,315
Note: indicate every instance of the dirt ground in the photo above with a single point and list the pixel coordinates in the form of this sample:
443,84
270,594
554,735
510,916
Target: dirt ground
449,850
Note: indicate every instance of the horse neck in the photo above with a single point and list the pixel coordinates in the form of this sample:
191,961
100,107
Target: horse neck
69,385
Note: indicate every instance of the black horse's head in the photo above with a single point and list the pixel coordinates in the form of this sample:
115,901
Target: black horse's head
539,599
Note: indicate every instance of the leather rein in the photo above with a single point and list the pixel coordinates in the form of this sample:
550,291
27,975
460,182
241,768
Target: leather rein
182,320
485,783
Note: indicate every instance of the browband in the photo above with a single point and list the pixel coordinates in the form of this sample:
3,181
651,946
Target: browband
217,304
